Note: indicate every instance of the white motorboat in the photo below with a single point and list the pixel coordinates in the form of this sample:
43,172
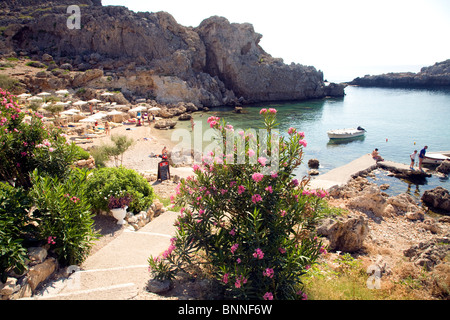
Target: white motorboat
436,157
346,133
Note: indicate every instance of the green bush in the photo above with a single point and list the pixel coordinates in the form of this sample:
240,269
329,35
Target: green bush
63,214
13,226
104,182
27,145
250,223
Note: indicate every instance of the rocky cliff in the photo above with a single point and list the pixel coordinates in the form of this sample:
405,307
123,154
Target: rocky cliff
150,55
436,76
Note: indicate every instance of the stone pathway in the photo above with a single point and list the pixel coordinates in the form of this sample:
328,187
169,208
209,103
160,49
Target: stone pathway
118,271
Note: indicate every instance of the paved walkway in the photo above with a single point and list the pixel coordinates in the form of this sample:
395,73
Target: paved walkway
342,175
118,271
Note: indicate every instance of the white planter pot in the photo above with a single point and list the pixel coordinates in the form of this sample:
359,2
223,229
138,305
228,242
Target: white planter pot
119,214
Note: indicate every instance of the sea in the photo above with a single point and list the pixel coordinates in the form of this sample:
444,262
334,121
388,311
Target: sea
397,122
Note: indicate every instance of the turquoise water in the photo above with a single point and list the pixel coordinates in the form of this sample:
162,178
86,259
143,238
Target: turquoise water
397,121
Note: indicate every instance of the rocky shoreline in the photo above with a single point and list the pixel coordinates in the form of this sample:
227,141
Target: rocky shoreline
436,76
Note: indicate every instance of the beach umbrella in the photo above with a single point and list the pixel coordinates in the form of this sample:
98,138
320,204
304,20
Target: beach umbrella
62,92
94,101
24,95
79,103
140,108
44,94
154,109
88,119
35,98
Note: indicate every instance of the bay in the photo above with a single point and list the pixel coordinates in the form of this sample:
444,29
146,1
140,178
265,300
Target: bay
398,121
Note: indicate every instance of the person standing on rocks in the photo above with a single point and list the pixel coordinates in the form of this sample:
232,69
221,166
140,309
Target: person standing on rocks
422,156
413,159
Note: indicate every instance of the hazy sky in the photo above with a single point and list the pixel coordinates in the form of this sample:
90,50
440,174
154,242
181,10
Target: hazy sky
331,35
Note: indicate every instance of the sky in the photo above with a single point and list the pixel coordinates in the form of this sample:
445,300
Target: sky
343,38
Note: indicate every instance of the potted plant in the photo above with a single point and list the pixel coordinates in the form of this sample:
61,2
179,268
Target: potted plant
118,204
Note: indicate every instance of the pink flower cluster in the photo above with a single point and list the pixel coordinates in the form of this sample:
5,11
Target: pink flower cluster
319,193
268,273
271,110
257,177
268,296
256,198
234,248
170,249
240,280
213,121
258,254
51,240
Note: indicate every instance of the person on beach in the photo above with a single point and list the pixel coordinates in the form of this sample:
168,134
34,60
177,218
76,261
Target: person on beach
422,156
164,152
376,156
107,128
413,159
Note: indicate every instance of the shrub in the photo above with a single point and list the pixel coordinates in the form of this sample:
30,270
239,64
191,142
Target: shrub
253,226
63,214
27,145
13,224
105,182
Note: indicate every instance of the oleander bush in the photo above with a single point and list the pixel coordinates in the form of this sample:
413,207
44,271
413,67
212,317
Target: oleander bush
249,223
27,144
14,220
42,199
62,211
105,182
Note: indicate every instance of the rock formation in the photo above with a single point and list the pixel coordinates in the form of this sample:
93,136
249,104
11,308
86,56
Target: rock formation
435,76
151,56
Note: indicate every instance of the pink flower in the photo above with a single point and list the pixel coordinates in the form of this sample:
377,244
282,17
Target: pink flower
225,278
238,260
272,110
262,111
282,213
234,248
268,296
303,143
233,232
50,240
240,280
258,254
304,296
268,273
274,175
269,189
257,177
322,250
241,189
295,182
251,153
282,250
256,198
51,149
291,130
262,161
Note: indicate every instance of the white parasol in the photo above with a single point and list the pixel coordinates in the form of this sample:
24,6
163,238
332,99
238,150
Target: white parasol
154,109
94,101
79,103
62,92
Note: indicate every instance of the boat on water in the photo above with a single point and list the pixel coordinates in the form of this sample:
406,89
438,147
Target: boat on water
346,133
436,157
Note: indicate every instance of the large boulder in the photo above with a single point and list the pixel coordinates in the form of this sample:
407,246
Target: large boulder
437,198
444,167
165,124
345,234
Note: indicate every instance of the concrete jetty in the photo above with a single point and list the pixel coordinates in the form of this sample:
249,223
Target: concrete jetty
342,175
